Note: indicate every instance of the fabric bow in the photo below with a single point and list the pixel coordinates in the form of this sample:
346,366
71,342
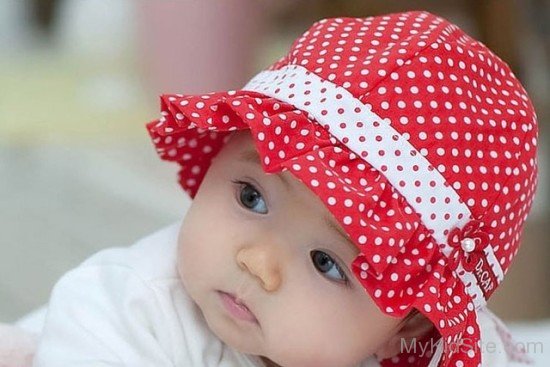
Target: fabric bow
467,244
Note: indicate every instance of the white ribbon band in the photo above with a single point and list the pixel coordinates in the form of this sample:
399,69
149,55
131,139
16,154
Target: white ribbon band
373,139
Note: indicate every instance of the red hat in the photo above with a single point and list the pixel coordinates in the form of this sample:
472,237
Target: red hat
419,140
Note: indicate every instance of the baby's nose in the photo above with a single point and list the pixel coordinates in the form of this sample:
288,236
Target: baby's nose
261,262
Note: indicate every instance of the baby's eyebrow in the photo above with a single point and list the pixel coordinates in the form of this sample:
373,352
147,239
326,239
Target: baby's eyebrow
340,231
251,156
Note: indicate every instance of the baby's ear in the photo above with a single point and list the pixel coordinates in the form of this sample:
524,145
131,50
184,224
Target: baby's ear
415,325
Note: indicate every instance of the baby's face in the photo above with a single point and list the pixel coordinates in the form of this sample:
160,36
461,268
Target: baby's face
268,241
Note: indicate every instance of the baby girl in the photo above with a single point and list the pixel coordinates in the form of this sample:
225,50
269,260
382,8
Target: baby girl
355,204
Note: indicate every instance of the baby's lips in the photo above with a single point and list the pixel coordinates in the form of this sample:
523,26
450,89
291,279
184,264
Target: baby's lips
241,302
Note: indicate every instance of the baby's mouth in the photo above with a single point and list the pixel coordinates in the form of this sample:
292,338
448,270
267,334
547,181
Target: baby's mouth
237,308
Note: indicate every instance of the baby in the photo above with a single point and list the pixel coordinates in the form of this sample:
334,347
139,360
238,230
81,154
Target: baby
355,204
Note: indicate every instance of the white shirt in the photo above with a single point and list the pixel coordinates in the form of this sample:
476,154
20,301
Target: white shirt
128,307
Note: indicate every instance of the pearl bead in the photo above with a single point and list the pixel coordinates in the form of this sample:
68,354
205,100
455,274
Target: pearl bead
468,244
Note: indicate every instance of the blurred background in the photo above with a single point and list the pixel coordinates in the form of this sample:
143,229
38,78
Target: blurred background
80,78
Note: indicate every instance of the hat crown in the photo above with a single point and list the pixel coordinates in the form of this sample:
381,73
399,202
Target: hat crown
450,96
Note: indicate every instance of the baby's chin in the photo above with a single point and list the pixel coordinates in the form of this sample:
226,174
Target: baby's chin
236,342
268,362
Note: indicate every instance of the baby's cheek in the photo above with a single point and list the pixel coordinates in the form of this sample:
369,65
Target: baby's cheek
188,259
355,331
203,260
185,268
322,337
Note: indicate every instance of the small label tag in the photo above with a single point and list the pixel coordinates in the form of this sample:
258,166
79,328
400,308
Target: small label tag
486,279
481,275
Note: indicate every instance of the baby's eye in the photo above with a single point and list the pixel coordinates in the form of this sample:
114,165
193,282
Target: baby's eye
250,198
326,265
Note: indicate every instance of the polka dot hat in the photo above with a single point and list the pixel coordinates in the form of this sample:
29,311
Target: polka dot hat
419,140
